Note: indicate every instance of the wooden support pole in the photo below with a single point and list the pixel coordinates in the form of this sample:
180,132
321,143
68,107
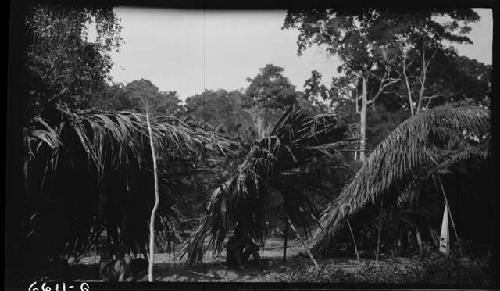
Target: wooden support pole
285,242
353,239
303,243
156,203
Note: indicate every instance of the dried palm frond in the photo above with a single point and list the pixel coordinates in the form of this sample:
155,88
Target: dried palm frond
295,142
418,143
90,171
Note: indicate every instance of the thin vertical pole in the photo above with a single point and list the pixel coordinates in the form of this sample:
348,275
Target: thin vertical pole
285,242
353,239
155,206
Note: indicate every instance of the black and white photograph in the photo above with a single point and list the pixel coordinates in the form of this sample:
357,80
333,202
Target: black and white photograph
331,146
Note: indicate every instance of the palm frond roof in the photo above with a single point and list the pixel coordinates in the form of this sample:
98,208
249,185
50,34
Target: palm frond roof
414,144
116,138
97,165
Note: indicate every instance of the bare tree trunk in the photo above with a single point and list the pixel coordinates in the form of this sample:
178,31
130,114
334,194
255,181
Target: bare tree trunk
259,121
408,88
423,77
157,201
362,122
260,126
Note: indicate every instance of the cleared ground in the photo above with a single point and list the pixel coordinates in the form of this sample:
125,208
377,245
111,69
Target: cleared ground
213,269
434,270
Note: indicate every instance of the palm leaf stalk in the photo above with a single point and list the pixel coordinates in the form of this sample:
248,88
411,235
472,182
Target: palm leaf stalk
273,165
303,243
407,152
96,165
353,240
448,213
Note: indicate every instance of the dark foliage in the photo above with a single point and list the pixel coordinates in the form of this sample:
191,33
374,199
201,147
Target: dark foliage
89,175
267,172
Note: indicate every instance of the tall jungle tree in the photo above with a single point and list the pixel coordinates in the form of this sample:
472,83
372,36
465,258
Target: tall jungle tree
67,64
224,111
269,94
116,97
60,64
314,91
364,41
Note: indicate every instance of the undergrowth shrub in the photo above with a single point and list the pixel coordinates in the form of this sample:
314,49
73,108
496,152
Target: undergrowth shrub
458,271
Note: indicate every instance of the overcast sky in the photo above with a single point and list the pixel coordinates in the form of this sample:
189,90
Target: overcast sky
187,51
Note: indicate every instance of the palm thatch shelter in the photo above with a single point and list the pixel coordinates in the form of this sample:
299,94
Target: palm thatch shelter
428,145
279,167
89,173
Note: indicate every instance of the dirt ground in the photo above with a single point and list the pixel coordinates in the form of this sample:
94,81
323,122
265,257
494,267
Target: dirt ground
168,269
440,271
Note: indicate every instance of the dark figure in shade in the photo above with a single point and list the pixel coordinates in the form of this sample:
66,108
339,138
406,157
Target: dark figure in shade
239,249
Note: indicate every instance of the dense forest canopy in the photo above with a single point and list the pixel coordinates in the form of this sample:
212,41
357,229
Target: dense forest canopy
67,66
